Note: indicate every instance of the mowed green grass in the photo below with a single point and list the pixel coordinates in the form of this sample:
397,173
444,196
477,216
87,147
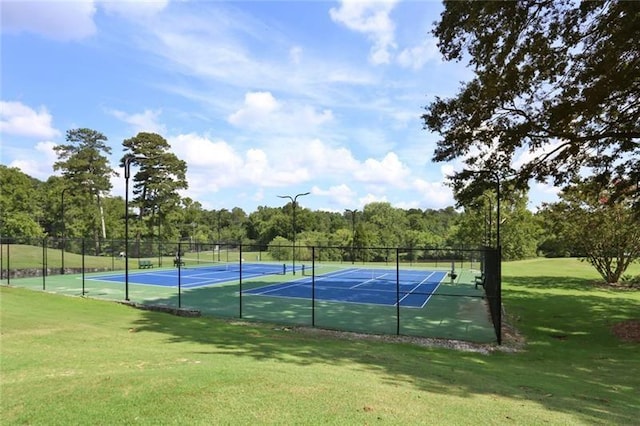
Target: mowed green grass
71,360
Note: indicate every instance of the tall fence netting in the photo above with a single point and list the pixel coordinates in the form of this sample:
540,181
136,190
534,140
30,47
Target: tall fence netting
449,293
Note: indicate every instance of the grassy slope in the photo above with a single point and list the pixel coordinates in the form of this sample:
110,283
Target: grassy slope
72,360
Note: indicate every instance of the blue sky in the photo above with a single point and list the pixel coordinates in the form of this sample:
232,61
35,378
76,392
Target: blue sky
260,98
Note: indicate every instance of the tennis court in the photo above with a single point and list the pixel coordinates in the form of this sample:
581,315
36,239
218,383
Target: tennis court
200,275
362,285
396,294
388,287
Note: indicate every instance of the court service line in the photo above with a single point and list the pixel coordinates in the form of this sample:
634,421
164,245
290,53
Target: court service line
276,287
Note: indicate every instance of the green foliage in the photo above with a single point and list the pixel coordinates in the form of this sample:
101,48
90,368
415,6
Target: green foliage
280,249
20,206
86,173
519,229
631,281
557,80
160,175
606,234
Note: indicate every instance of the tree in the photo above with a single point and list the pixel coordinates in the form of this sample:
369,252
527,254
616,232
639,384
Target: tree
161,174
237,221
86,171
556,90
519,230
267,223
605,233
390,223
19,205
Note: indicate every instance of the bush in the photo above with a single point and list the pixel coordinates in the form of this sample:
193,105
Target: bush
631,281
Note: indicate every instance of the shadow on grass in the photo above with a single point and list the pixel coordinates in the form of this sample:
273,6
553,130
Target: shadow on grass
572,364
543,282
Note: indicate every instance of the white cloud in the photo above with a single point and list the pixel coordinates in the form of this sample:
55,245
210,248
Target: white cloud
262,111
19,119
217,165
326,160
371,198
341,195
434,193
146,121
415,57
447,170
388,171
199,151
38,164
295,55
258,106
68,20
133,9
370,18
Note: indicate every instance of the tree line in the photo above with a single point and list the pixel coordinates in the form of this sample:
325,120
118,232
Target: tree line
554,98
77,204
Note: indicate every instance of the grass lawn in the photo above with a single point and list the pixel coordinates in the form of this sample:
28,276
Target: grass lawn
71,360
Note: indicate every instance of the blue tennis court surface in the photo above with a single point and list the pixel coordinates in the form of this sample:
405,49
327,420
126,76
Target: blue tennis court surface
411,288
191,277
378,286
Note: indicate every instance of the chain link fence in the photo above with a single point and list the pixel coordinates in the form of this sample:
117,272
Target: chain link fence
448,293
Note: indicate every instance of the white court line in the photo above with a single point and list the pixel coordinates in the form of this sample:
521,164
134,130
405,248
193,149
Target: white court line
411,291
365,282
297,283
434,290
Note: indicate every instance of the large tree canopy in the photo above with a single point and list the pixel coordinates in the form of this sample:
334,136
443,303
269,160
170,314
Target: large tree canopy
160,176
86,171
556,90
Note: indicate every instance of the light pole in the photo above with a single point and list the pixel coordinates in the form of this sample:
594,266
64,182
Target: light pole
63,227
353,233
496,175
127,172
293,201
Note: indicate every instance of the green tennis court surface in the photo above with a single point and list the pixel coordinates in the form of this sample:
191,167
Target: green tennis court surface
446,309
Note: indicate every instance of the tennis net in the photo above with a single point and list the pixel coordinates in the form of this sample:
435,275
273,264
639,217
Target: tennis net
358,274
249,267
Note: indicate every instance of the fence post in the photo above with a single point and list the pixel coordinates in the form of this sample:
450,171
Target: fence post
240,277
499,296
8,263
313,285
179,261
397,291
44,262
83,267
